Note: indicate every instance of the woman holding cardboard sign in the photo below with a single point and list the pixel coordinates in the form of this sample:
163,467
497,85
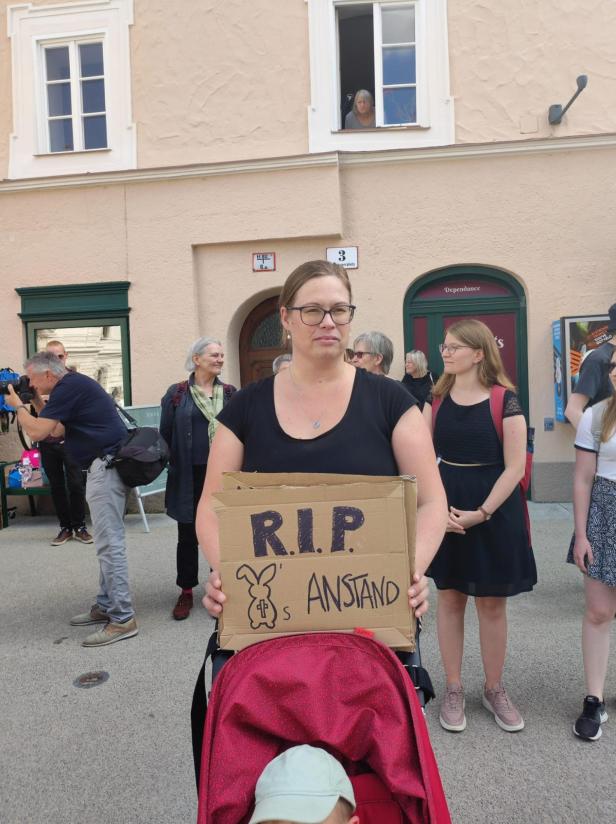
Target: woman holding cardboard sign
486,552
323,415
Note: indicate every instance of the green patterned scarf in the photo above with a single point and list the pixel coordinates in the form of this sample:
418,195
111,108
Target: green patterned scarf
209,407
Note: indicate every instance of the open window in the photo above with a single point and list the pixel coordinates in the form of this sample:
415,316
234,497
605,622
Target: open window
394,53
377,53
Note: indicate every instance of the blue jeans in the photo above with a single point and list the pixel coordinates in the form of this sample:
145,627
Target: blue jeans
106,497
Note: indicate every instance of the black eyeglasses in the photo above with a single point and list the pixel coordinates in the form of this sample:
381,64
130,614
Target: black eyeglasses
314,315
611,367
359,355
451,348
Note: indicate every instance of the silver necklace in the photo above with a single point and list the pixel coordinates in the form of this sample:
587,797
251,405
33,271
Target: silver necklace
316,423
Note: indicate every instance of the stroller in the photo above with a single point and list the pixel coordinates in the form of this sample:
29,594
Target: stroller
345,693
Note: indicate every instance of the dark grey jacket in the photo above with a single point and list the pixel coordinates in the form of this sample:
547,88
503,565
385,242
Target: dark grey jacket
176,429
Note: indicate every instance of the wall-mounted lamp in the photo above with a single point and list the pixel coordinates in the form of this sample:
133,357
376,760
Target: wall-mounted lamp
556,112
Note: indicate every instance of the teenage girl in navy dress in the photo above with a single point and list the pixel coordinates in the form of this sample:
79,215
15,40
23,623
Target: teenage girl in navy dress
486,552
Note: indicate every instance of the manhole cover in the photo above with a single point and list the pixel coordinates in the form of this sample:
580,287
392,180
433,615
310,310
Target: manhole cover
90,679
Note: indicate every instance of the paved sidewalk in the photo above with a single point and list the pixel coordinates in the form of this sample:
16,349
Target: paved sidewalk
120,752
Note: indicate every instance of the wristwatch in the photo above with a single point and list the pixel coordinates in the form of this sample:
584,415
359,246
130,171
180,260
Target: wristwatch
486,515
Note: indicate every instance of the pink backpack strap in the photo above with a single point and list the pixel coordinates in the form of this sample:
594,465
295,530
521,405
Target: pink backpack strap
497,406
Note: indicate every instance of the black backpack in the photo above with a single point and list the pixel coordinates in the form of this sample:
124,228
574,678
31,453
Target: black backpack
143,455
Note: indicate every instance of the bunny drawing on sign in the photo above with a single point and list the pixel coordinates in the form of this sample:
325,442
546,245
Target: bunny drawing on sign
261,611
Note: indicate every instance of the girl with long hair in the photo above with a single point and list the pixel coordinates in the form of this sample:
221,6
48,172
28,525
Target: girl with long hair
486,552
593,548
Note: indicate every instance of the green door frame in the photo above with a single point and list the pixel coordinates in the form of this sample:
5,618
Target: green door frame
437,308
88,304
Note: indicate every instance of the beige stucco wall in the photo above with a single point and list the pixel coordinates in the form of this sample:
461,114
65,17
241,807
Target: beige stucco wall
519,214
218,81
185,245
510,61
145,233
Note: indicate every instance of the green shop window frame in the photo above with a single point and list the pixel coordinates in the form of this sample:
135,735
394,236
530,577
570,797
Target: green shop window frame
437,308
86,304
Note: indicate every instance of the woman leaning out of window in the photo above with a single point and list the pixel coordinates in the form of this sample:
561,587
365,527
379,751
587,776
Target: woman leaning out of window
593,548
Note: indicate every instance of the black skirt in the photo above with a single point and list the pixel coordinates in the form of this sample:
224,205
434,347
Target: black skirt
493,559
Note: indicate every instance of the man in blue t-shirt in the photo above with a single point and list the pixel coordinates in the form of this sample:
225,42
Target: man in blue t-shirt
85,415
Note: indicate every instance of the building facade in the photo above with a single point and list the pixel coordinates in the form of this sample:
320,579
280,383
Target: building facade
163,167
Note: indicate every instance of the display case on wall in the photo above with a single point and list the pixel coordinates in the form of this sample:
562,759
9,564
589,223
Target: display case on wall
572,339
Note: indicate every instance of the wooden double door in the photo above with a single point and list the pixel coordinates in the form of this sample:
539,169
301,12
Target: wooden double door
261,340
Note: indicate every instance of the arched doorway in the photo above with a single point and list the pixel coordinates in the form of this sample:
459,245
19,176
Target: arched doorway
260,341
438,299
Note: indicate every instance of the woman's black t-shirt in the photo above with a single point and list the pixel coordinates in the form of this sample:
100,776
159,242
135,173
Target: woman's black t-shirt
359,444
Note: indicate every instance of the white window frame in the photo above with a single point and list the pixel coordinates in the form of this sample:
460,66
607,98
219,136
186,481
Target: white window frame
378,62
435,124
77,115
32,29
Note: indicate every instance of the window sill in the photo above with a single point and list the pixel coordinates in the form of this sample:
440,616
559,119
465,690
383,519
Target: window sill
411,127
72,152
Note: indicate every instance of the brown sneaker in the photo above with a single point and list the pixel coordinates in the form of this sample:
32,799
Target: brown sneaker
111,633
452,716
183,606
62,537
83,535
502,708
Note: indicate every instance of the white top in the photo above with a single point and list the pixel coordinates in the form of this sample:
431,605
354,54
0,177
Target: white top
606,458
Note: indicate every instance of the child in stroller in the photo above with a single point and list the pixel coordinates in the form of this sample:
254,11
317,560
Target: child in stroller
344,693
304,785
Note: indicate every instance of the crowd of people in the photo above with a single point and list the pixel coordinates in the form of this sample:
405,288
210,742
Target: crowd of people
462,434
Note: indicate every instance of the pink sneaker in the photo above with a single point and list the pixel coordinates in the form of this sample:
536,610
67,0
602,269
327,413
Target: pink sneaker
452,716
503,709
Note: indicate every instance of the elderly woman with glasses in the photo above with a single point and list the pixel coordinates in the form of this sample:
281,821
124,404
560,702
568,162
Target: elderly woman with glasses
321,415
374,352
486,553
188,422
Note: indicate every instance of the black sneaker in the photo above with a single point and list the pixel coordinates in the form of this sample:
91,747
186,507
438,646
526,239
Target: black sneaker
62,537
588,725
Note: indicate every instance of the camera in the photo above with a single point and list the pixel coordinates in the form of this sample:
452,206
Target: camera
21,386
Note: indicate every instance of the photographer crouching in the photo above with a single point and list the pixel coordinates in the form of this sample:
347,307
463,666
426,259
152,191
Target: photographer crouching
81,411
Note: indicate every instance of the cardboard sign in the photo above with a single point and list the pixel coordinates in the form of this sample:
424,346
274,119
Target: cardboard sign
309,553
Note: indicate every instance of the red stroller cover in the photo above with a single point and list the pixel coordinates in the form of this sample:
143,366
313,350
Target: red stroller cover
346,693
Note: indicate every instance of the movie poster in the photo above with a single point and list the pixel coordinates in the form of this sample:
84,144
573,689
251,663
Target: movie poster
557,361
581,335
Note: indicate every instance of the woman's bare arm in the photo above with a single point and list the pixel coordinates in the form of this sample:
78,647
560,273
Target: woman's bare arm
226,455
414,453
583,478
